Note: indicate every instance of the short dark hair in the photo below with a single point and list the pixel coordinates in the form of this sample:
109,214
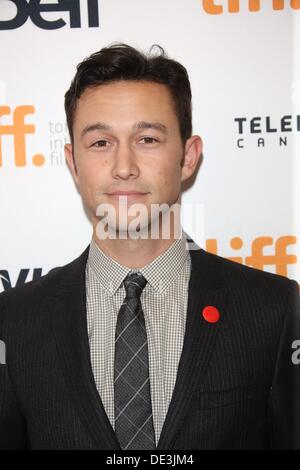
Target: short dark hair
122,62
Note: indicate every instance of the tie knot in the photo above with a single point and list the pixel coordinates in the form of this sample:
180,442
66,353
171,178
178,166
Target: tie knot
134,284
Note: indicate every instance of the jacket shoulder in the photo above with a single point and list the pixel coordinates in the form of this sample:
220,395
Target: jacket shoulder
37,289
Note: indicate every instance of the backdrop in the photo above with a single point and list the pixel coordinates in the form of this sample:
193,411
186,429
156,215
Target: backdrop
243,59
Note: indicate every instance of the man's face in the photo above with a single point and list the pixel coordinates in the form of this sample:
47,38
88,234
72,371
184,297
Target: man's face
127,139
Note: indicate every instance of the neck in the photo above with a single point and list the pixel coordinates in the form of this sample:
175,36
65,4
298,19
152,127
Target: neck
136,253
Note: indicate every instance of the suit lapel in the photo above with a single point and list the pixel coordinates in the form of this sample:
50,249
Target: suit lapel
68,313
205,288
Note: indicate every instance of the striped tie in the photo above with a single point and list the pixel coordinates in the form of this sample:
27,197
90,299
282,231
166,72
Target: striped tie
133,411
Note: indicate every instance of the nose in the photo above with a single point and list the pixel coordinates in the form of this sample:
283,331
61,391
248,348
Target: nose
125,165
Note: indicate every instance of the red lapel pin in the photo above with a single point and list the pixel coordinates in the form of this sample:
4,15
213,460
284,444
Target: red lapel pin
211,314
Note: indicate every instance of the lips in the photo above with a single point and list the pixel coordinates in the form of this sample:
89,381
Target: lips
126,193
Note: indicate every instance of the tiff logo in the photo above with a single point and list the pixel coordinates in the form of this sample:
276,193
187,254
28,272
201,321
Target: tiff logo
33,8
214,8
18,130
258,259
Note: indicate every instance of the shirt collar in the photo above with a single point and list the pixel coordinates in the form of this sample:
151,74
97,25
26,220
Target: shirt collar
160,273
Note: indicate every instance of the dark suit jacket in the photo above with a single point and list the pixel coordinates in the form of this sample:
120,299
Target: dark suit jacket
236,387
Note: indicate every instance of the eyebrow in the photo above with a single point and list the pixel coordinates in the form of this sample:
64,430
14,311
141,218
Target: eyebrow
101,126
151,125
98,126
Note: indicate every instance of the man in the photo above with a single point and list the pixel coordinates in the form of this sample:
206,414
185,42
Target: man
144,342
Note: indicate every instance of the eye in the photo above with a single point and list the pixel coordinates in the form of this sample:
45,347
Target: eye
149,140
100,143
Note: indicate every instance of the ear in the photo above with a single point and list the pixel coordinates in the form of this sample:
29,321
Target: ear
71,161
192,154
